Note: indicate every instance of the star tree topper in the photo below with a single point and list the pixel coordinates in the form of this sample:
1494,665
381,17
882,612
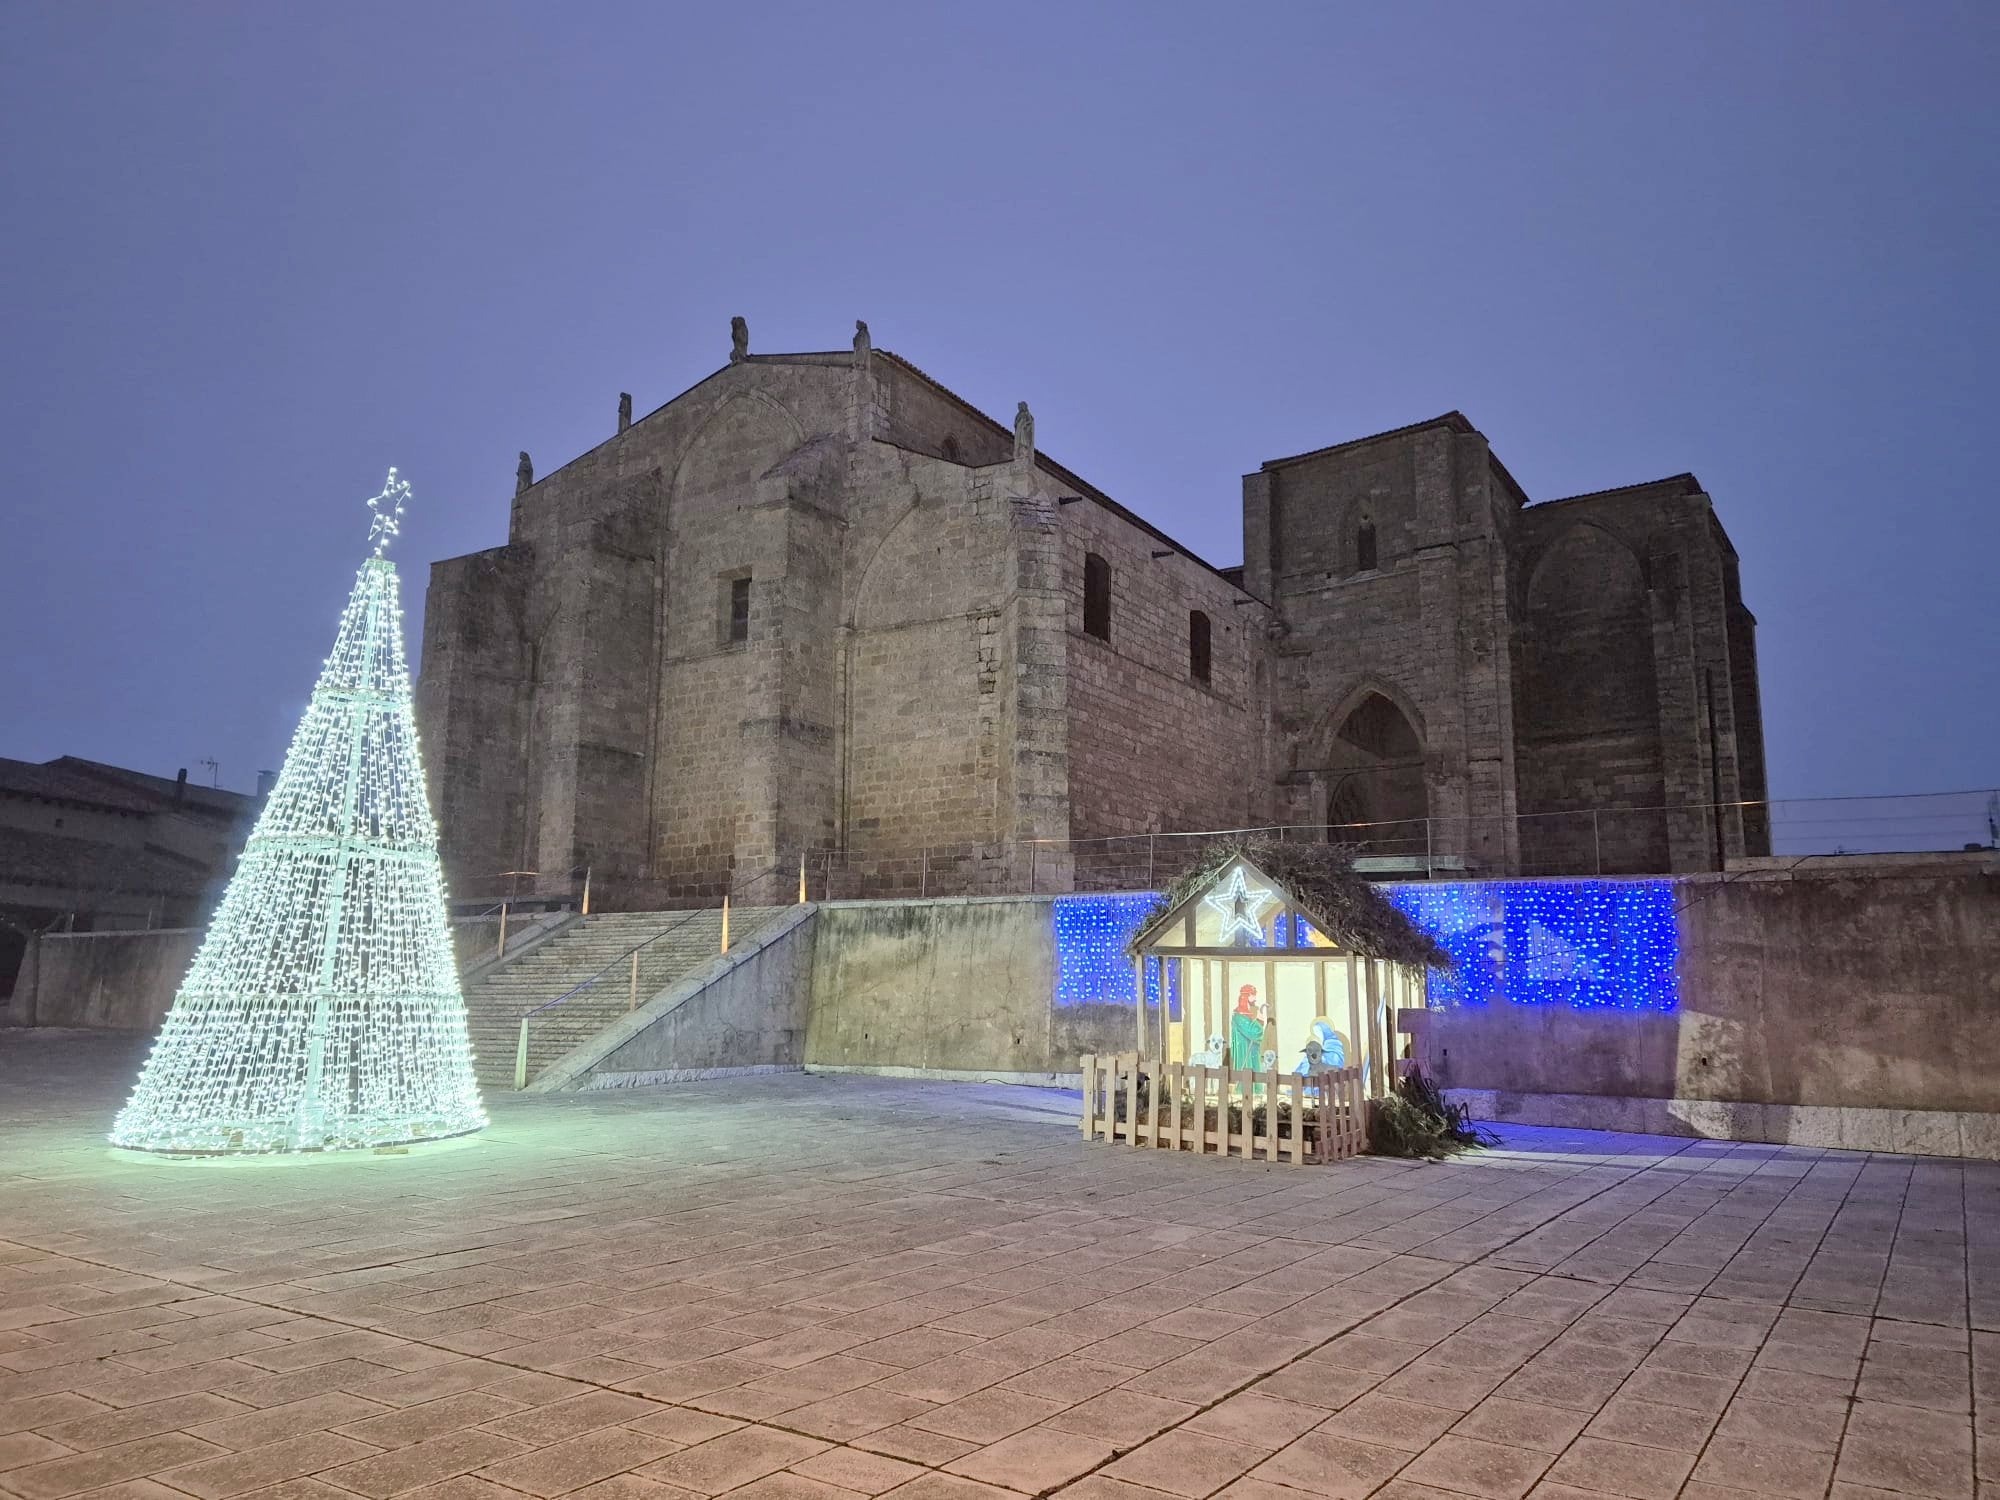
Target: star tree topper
387,510
1241,905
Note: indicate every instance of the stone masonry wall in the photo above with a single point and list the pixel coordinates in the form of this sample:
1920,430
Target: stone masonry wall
1626,612
472,702
1588,709
923,689
727,730
1150,747
1425,628
917,683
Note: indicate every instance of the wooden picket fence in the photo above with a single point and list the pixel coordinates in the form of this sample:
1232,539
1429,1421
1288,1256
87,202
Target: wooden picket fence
1178,1107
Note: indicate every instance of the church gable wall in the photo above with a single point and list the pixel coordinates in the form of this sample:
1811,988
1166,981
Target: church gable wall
657,745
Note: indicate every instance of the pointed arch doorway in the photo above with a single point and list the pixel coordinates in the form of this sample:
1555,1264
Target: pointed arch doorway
1376,795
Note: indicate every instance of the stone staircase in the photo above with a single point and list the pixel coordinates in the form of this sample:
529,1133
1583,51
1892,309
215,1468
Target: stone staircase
497,999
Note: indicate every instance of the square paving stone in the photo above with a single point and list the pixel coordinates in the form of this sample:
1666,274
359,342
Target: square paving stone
1186,1463
1335,1467
734,1459
1473,1467
1034,1461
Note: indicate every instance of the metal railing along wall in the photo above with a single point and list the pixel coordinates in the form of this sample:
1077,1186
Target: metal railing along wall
1575,843
628,961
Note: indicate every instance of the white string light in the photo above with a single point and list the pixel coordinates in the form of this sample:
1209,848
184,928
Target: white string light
387,525
323,1011
1241,906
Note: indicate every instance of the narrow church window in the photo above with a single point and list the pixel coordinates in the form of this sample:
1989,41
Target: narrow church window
1198,653
739,609
951,448
1096,596
1364,548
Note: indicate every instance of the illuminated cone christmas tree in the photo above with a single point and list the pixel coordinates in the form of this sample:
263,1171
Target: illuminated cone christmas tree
323,1011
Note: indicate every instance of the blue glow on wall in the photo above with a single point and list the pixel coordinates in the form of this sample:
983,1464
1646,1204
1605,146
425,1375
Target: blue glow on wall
1091,965
1588,944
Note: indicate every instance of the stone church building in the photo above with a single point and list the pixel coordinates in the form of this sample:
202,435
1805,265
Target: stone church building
818,603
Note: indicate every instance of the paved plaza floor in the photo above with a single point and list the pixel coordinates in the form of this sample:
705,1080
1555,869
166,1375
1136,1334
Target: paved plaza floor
815,1288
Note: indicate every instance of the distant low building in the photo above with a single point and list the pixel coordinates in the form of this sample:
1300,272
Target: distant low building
86,847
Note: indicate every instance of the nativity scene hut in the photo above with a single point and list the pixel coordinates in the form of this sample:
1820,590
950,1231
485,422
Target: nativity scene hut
1276,956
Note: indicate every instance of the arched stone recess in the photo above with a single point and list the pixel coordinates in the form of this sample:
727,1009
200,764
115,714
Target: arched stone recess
1587,717
882,603
1370,751
922,679
720,433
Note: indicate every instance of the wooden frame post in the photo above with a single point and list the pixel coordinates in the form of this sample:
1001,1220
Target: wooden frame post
1378,1065
1355,1039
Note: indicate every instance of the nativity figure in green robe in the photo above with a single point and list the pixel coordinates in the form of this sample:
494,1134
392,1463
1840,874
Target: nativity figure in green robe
1246,1030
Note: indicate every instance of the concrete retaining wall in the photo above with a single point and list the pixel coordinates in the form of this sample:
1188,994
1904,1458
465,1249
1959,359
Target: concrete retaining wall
110,981
125,981
1814,1007
959,987
744,1012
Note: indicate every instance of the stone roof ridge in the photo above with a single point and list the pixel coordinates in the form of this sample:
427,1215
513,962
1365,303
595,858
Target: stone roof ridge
1082,486
1688,484
1457,421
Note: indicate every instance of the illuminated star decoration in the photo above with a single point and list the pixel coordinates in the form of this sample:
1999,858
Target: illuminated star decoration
1240,905
387,524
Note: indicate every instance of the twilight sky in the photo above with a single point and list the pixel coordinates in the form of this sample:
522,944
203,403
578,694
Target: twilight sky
256,253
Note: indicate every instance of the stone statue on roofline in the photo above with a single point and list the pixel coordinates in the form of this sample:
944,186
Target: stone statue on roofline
524,473
739,341
1024,437
624,410
862,343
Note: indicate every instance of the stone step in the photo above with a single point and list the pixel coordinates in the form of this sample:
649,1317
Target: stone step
599,948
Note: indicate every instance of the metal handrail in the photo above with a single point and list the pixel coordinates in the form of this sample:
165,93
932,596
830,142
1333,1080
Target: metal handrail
1433,844
629,956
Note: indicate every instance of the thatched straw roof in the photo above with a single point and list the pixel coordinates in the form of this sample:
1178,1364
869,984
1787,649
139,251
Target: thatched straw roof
1320,880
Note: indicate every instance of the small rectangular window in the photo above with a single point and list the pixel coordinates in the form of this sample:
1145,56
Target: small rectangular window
1364,548
1198,646
739,609
1096,597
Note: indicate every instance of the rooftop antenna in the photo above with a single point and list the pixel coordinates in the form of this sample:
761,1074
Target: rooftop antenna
214,770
